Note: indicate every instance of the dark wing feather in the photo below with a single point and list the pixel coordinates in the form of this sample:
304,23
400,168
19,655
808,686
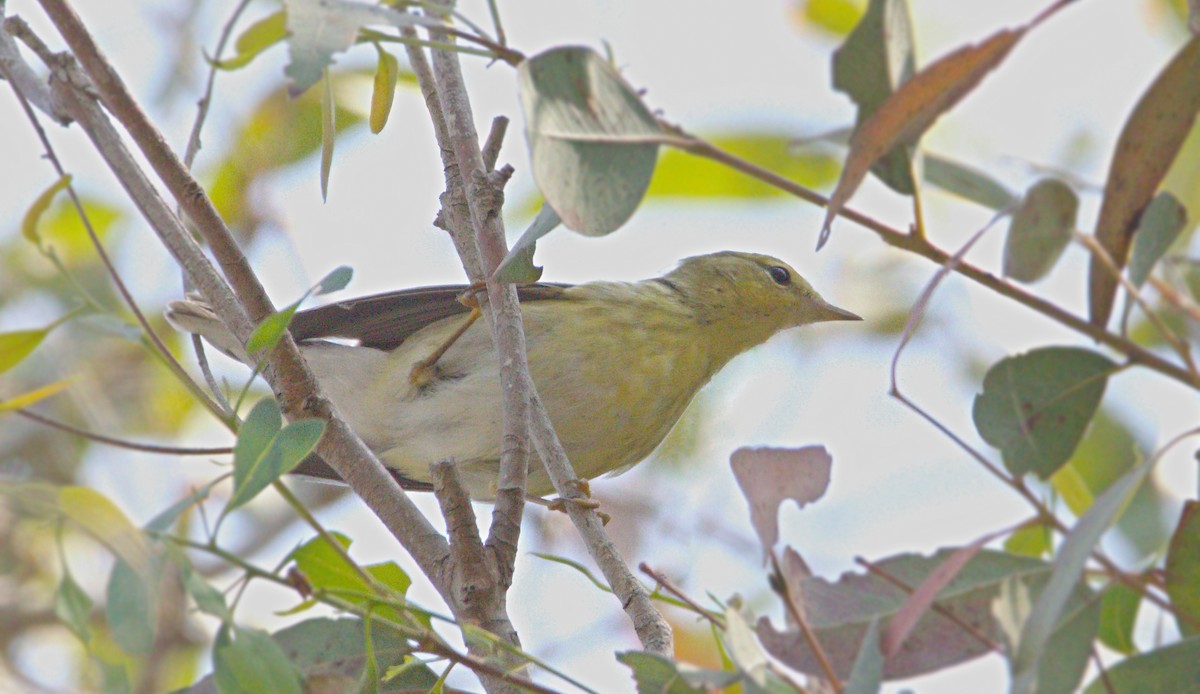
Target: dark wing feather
384,321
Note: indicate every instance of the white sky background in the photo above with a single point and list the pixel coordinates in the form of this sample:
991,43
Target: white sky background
897,484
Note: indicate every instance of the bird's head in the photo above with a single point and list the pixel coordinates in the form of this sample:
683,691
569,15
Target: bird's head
750,296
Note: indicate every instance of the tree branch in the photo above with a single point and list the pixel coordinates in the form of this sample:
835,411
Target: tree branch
289,375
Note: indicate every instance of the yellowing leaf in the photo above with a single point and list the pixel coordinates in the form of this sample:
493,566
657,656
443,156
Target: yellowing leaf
1145,150
912,108
29,223
257,38
384,91
97,515
28,398
17,345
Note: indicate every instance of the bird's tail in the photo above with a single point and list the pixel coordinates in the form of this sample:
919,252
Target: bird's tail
193,315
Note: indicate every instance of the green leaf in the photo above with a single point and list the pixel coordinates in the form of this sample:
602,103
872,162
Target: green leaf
966,182
257,38
73,606
1161,223
1030,541
593,143
1035,407
1052,603
1040,230
270,331
1118,614
317,29
29,223
518,265
328,133
130,608
335,281
383,92
208,600
1183,569
264,451
252,662
867,673
657,674
326,569
1173,669
165,519
876,58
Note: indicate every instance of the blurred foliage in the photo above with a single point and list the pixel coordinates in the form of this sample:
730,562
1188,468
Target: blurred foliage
54,573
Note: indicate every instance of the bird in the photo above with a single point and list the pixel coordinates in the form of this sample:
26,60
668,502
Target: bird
615,363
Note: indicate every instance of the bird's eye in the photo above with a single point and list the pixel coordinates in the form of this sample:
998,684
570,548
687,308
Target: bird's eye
781,275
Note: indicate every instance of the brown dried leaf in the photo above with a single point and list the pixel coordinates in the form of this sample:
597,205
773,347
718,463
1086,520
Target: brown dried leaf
770,476
912,108
1145,150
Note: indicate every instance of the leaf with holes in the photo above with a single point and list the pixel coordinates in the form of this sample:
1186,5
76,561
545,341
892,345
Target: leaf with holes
1035,406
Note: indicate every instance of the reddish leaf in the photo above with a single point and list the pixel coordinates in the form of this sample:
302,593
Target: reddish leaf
912,108
921,599
1148,144
770,476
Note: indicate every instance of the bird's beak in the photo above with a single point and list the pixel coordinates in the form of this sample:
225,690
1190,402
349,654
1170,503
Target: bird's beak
828,312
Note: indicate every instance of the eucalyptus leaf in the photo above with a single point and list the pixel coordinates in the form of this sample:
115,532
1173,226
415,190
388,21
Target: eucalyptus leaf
592,141
1036,406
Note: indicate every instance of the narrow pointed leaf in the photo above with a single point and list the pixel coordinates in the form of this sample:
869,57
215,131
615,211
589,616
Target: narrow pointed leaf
909,112
1072,558
257,38
1145,150
29,224
383,92
16,345
518,265
1161,223
1183,570
875,59
967,182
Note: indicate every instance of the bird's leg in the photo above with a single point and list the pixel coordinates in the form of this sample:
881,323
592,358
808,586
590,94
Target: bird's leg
586,501
422,371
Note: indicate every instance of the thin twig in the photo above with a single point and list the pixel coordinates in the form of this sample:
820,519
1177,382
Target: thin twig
793,608
1178,344
958,621
676,137
120,443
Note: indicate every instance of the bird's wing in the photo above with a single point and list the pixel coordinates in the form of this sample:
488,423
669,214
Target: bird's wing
384,321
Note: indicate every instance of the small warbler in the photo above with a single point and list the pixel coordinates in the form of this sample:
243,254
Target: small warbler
615,363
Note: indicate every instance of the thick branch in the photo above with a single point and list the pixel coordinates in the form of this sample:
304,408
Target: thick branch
289,376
